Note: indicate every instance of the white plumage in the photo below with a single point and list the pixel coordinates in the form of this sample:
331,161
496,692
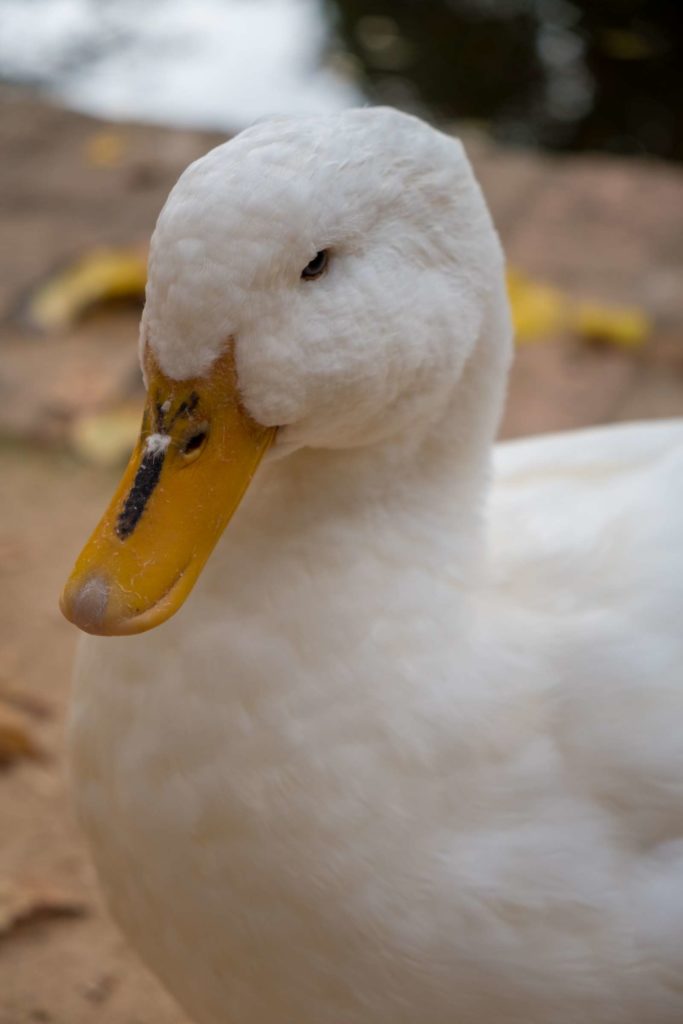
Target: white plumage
412,750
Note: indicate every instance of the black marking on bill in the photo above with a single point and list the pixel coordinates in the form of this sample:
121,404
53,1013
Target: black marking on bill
146,479
186,408
161,409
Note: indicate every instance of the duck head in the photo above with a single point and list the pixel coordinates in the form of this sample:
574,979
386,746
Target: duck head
317,282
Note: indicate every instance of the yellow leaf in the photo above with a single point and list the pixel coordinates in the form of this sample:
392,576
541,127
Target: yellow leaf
625,328
107,438
101,275
105,149
537,309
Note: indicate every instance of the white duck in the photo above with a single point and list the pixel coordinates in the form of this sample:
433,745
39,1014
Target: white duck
396,760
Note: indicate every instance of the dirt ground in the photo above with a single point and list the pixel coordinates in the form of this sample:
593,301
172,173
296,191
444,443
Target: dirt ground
64,963
600,229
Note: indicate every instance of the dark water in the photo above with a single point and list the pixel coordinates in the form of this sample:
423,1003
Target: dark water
560,74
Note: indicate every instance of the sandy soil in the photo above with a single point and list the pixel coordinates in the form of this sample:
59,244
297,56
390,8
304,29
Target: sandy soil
598,228
53,967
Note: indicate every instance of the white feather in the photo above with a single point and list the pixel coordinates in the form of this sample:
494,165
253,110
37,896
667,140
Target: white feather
412,749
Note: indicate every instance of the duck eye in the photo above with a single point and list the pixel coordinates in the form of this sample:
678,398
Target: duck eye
317,266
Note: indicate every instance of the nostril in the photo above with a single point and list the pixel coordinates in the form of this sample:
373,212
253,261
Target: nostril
194,442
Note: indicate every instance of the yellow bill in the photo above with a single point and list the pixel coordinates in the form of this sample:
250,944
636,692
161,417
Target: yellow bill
197,453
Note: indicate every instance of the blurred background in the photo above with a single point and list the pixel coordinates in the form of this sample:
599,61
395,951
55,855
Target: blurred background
556,74
570,110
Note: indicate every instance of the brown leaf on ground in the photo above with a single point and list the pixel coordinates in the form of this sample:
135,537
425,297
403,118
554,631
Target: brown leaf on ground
32,704
27,902
16,741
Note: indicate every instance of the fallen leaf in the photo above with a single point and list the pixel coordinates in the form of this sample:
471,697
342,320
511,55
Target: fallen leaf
537,309
625,328
27,902
100,276
107,438
16,741
105,149
30,703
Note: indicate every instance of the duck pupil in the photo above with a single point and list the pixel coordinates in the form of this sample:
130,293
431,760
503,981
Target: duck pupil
194,442
316,266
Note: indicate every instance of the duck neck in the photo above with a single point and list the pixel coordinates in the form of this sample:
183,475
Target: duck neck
430,486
